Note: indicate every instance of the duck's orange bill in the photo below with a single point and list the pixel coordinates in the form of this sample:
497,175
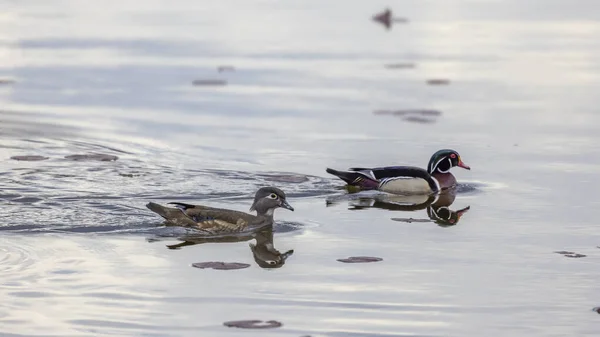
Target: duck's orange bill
463,165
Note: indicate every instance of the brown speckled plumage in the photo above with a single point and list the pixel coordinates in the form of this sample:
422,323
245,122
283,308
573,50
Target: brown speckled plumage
219,220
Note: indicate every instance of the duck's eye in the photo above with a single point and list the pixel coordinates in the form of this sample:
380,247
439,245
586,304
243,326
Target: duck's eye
270,262
452,156
273,196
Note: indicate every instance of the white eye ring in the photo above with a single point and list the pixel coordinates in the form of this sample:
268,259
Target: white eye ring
271,262
272,196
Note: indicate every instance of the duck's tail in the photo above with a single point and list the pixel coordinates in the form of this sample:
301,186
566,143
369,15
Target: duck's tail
355,178
166,212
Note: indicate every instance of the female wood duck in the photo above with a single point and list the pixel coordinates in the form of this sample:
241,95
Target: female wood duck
406,179
218,220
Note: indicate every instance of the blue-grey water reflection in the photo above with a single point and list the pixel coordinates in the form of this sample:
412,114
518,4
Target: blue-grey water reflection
80,255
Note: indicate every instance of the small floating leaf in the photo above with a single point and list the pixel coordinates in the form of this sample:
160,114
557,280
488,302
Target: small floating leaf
410,220
563,252
438,81
576,255
400,65
570,254
360,259
386,19
225,68
413,112
220,265
98,157
29,158
209,82
421,120
253,324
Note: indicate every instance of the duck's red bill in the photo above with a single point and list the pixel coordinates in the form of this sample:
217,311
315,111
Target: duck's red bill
463,165
463,211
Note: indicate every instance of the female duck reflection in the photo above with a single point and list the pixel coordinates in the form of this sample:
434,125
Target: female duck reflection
437,206
226,225
264,252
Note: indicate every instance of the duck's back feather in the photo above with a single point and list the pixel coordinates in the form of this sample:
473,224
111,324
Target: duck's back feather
208,219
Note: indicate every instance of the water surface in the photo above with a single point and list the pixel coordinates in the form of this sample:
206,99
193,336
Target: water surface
80,255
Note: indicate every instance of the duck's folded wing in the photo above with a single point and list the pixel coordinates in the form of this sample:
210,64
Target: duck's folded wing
214,220
399,172
184,206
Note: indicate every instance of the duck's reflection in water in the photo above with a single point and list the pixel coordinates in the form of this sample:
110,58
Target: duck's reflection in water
264,252
437,206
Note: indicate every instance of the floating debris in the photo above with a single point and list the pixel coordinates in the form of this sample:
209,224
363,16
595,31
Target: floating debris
575,255
415,119
438,81
253,324
386,19
220,265
98,157
597,310
28,158
6,81
400,65
420,112
360,259
209,82
570,254
415,116
225,68
410,220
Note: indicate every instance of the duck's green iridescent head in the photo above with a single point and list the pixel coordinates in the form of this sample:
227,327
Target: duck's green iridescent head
443,160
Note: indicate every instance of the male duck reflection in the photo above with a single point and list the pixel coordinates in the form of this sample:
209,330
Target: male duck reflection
222,221
406,179
437,207
264,252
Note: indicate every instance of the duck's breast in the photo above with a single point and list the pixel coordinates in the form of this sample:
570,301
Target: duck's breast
405,185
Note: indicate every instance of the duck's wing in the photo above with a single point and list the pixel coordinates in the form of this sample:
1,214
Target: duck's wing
185,206
217,220
381,173
208,219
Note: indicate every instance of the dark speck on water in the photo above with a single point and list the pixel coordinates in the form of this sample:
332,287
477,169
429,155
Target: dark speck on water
360,259
96,157
220,265
438,81
253,324
209,82
225,68
570,254
400,66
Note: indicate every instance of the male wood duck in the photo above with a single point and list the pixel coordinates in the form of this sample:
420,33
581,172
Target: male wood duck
406,179
221,221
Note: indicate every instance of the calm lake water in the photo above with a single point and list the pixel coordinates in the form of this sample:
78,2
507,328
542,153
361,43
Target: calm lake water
80,255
